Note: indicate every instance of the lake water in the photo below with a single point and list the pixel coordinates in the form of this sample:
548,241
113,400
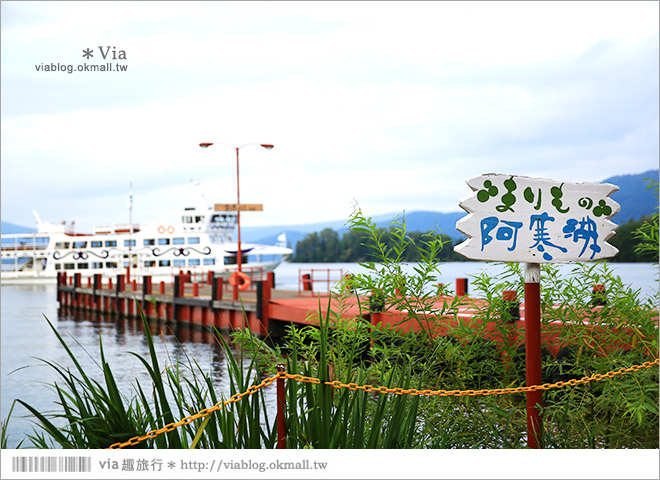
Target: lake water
27,337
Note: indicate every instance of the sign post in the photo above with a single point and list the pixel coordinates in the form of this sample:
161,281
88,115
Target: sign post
234,207
533,375
534,220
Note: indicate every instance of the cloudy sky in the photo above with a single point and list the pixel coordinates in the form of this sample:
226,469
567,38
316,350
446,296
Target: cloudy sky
393,105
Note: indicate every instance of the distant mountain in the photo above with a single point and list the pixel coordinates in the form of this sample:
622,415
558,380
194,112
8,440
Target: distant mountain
635,199
7,227
421,221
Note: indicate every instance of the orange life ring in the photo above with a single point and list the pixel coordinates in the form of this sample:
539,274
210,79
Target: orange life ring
170,229
240,280
161,229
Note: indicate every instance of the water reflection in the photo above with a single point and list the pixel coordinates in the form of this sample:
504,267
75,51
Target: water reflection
193,349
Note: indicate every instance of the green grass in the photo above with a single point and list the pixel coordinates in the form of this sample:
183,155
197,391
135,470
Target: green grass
621,412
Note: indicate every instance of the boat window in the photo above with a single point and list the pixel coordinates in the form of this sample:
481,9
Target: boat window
149,241
26,242
150,263
125,264
193,262
111,243
199,219
163,241
193,240
97,244
111,264
69,266
225,218
83,266
209,261
129,243
179,263
79,244
163,263
230,260
62,245
187,219
97,264
58,266
178,241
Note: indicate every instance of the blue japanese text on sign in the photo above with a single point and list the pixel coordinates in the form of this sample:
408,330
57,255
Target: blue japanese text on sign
523,219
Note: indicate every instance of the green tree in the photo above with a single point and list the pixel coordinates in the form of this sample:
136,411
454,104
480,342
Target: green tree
354,246
627,241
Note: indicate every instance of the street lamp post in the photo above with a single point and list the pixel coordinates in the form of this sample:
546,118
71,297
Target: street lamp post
239,253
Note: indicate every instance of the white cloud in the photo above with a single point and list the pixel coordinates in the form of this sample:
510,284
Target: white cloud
394,104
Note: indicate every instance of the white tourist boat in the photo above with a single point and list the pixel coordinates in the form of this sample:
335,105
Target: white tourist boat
195,240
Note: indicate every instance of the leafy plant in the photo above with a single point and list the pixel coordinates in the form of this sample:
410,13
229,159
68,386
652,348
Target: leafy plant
445,351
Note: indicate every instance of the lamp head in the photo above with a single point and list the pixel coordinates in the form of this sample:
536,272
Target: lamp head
267,146
205,145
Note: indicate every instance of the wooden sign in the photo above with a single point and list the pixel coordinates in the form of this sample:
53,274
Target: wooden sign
243,207
535,220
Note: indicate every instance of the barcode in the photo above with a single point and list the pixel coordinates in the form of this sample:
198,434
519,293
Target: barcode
51,464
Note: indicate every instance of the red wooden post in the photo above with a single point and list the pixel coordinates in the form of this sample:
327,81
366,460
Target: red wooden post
461,287
195,289
60,278
281,403
162,288
264,288
511,305
509,295
209,277
77,284
110,283
307,282
533,353
598,297
219,288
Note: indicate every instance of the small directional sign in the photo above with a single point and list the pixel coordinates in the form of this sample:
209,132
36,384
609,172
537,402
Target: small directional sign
234,207
523,219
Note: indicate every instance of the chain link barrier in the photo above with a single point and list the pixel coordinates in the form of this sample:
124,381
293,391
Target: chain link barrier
370,388
497,391
202,413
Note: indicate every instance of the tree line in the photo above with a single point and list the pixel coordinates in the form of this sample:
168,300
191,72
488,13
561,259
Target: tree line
627,239
353,246
328,246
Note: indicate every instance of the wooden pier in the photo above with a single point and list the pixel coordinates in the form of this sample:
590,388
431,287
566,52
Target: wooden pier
266,310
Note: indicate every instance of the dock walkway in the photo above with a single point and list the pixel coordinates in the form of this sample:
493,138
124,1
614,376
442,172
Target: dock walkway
266,310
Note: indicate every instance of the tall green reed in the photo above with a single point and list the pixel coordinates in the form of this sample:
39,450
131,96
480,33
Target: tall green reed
484,353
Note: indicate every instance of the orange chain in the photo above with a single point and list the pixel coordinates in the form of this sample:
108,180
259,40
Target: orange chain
192,418
497,391
370,388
